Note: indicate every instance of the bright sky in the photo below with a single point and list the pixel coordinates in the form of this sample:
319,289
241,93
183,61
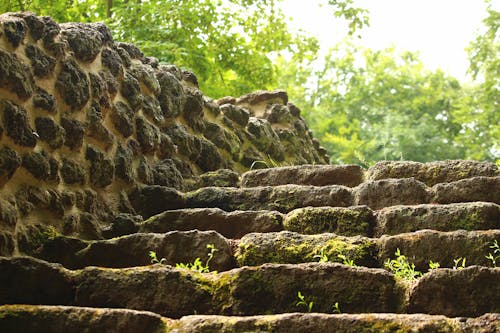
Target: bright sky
439,30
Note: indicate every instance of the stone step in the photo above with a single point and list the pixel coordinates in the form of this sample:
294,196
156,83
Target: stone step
376,194
432,173
284,247
266,289
30,318
233,224
337,323
317,175
346,221
55,319
133,250
447,217
419,247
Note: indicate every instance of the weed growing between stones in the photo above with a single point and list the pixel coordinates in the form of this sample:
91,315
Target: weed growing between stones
323,257
433,265
196,265
303,302
459,263
496,253
336,308
401,267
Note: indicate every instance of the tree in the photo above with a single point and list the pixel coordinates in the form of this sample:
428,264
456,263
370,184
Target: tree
229,44
367,105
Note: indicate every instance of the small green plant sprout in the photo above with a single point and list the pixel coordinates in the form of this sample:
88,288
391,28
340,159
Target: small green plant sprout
345,260
401,267
154,258
303,302
459,263
336,308
321,256
496,253
197,264
433,265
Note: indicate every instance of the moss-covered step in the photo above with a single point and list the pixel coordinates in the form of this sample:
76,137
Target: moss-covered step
336,323
172,292
289,248
134,250
346,221
468,190
233,224
432,173
468,216
282,198
56,319
467,292
445,248
317,175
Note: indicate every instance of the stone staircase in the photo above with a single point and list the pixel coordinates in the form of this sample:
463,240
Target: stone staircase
296,249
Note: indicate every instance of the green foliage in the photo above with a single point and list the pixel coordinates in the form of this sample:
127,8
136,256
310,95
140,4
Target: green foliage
401,267
225,42
302,302
336,308
496,253
367,106
433,265
154,258
459,263
198,265
323,257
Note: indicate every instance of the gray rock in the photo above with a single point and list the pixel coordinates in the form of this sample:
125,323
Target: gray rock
9,162
86,39
15,30
122,118
49,131
101,169
131,90
42,64
75,131
73,85
237,114
172,96
44,100
17,125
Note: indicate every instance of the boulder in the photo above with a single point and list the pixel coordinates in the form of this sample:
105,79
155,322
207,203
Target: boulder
154,199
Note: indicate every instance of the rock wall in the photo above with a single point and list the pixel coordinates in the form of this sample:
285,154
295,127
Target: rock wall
86,123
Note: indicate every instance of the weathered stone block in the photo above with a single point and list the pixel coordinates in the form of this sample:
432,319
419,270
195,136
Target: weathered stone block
390,192
468,190
347,221
73,85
